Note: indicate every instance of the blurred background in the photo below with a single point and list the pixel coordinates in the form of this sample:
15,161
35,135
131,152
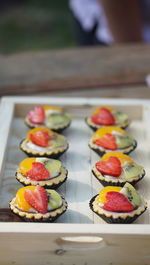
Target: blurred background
35,25
45,24
39,42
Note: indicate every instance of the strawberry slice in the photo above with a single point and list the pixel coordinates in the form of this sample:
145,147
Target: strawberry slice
40,138
38,172
117,202
104,117
108,141
37,115
37,199
111,167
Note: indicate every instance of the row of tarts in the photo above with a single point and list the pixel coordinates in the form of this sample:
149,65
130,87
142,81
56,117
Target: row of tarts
41,173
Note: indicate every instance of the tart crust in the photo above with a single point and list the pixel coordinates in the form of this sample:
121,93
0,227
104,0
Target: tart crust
116,181
101,151
113,217
38,217
58,128
94,126
50,183
50,154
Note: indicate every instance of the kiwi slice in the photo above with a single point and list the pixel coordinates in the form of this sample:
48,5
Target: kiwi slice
58,141
54,199
121,117
52,165
132,170
57,118
131,194
124,141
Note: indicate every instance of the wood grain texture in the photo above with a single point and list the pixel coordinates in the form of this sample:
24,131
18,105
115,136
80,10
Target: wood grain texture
73,69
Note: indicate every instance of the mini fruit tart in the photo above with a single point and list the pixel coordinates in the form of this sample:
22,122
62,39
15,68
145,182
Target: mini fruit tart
112,138
42,171
118,205
106,116
51,117
36,204
116,168
42,141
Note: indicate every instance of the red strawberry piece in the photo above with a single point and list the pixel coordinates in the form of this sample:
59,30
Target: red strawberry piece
40,138
37,115
38,172
117,202
110,167
37,199
104,117
108,141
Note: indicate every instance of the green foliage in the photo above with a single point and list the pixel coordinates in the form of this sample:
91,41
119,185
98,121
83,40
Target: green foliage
37,25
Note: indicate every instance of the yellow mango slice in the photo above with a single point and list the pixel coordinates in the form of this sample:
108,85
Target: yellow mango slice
52,108
20,200
26,165
122,157
38,129
109,129
102,194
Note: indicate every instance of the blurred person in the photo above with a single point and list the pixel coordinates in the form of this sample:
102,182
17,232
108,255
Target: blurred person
106,22
90,22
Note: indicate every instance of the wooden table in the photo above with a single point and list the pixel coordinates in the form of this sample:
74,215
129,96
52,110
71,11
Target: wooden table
117,71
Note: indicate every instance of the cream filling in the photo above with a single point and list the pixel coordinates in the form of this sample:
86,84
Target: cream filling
98,208
36,215
121,178
49,182
102,149
35,147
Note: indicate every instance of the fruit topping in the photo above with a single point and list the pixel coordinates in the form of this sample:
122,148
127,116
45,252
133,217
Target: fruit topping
131,194
107,141
47,108
102,194
117,202
132,170
53,166
20,199
120,117
109,129
37,198
124,141
110,167
122,157
40,138
56,118
38,172
97,110
37,115
104,117
26,165
54,199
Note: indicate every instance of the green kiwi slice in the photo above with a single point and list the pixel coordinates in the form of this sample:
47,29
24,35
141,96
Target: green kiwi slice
121,117
131,194
58,141
57,119
54,199
52,165
124,141
132,170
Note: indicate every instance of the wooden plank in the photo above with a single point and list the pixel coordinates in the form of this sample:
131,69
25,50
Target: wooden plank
74,68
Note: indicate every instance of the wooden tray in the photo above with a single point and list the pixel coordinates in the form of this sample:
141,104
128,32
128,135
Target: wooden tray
66,241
